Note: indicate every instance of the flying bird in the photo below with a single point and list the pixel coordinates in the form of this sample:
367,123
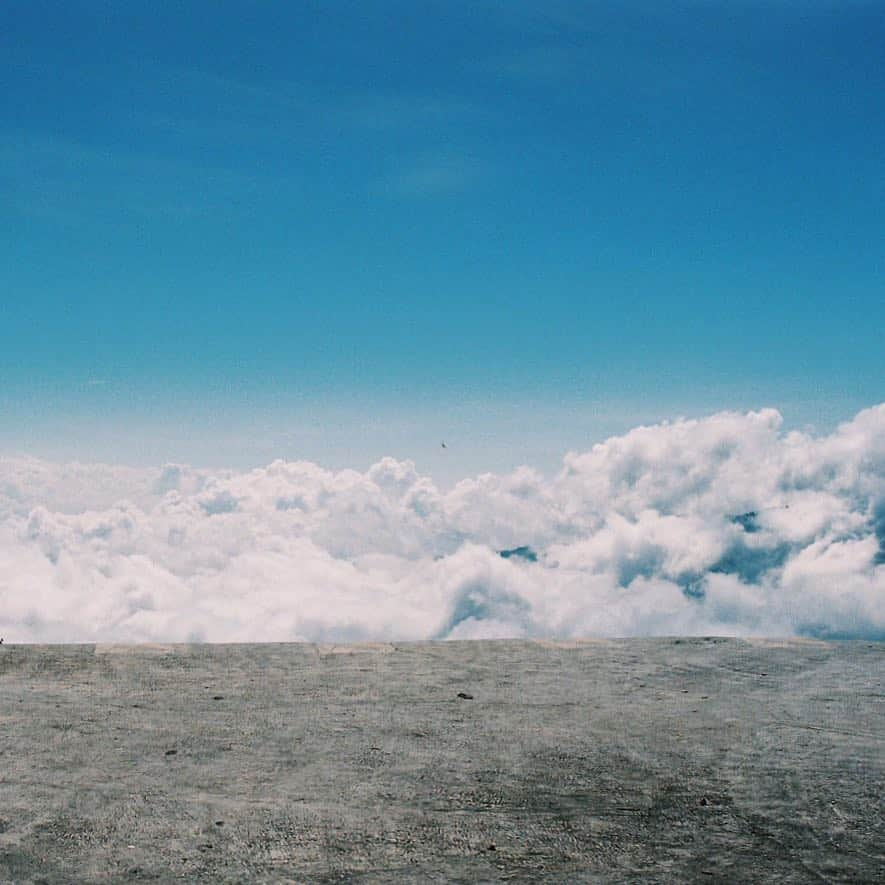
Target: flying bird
444,445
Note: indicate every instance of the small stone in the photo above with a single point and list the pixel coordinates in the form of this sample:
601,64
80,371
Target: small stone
218,697
171,752
465,696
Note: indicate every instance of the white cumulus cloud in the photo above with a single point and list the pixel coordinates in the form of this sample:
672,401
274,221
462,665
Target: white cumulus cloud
725,525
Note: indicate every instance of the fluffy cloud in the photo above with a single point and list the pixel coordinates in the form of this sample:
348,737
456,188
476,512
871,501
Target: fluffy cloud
725,525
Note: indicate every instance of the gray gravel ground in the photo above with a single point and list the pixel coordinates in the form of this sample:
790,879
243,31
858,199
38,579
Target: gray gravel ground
666,760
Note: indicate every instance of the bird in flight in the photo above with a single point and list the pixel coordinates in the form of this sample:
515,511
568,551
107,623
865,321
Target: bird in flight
444,445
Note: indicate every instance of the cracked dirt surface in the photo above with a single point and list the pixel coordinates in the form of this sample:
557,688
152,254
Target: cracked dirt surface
670,760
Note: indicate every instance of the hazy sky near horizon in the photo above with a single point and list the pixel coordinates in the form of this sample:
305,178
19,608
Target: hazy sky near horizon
232,232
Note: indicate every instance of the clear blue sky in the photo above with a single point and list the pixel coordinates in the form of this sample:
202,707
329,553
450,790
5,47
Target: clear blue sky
236,231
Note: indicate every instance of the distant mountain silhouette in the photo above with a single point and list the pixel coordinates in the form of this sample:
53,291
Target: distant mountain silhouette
520,552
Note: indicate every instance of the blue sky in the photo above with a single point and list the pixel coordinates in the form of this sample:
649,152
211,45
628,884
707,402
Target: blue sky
237,231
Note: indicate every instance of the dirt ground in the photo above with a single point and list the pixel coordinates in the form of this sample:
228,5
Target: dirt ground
665,760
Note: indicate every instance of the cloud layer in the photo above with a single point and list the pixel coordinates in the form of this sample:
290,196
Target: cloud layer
725,525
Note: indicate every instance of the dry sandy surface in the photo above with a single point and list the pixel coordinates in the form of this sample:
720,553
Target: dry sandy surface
695,760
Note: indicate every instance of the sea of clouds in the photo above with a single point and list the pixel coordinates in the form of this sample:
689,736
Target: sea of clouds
726,525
